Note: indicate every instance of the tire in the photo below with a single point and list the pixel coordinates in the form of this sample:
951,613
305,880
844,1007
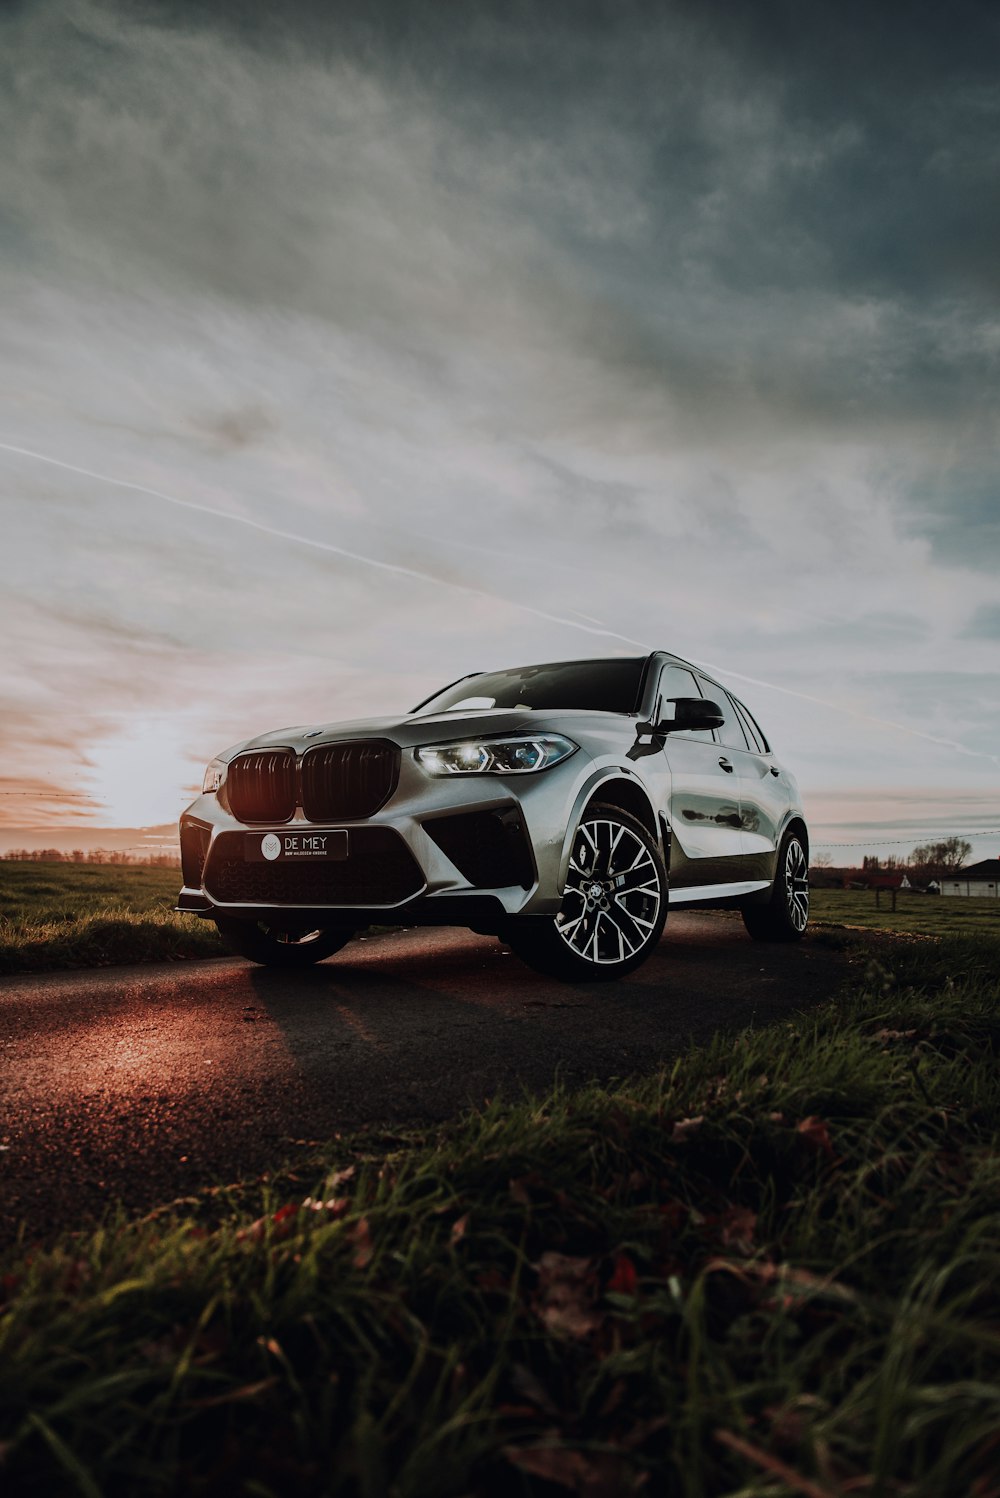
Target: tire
785,914
275,946
596,936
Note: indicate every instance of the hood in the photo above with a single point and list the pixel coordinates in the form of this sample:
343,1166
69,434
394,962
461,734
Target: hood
407,732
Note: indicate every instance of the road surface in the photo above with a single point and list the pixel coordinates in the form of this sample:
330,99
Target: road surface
143,1083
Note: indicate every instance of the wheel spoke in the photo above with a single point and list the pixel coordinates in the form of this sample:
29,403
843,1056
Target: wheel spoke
639,876
633,931
566,930
622,832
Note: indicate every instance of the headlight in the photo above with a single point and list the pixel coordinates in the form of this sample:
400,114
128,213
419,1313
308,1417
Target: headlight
214,776
515,756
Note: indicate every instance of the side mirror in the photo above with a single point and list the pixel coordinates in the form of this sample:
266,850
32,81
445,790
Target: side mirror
690,715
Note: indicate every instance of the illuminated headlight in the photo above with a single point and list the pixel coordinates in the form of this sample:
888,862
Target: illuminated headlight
519,756
214,776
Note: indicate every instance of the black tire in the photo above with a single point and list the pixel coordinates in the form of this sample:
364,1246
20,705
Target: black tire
785,914
596,937
276,946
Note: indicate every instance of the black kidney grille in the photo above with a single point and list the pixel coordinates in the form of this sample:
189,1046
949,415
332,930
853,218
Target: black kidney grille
341,782
260,786
379,870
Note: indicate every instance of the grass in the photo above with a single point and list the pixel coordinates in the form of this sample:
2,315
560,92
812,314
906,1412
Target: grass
59,915
918,915
770,1270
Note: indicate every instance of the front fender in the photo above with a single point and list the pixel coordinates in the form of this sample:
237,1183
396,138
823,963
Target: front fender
588,792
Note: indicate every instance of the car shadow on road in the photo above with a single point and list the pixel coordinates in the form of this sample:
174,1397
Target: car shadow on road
440,1026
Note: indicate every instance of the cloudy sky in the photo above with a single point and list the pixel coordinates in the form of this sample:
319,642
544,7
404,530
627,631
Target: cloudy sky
343,353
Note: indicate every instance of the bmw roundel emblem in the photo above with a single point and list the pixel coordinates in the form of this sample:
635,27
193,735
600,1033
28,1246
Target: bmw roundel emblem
271,846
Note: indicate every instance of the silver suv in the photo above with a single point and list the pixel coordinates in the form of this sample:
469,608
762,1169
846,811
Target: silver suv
560,807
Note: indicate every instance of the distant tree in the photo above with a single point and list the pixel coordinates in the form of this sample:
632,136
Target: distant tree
822,860
934,859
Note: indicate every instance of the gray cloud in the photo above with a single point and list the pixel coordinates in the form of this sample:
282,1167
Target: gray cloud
984,624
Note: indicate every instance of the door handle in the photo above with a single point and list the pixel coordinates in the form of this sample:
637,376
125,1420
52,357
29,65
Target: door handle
726,764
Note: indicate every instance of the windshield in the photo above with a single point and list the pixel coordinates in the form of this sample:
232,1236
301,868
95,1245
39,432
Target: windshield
609,686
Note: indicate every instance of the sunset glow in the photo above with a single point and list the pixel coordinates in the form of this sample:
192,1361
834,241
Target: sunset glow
141,776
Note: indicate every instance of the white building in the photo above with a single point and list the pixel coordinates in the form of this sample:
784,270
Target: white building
978,881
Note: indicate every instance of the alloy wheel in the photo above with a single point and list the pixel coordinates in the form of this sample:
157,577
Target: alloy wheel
613,895
797,884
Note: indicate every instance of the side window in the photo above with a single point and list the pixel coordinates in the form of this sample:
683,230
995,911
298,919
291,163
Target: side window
752,731
676,682
731,734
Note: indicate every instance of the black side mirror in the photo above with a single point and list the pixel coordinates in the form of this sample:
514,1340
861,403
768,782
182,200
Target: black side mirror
690,715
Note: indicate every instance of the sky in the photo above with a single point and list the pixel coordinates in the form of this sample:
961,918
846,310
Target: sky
344,350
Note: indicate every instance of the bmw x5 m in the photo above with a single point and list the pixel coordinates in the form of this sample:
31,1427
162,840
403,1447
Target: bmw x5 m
561,807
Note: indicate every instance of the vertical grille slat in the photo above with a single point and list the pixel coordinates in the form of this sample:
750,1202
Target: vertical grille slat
260,786
341,782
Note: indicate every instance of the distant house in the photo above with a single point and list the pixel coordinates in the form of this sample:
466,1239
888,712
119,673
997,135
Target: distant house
978,881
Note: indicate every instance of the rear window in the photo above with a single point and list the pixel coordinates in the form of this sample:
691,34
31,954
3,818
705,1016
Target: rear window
609,686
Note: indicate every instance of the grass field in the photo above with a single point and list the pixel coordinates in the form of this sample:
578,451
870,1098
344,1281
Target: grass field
921,915
64,915
772,1270
60,915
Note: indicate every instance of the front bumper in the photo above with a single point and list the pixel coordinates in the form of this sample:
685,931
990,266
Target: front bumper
468,851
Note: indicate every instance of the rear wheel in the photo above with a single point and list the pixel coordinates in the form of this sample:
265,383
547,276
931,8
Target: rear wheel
282,945
785,915
613,909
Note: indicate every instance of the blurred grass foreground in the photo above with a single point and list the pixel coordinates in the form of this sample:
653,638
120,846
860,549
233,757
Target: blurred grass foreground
771,1270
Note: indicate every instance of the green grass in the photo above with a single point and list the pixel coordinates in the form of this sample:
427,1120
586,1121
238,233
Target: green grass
770,1270
64,915
58,915
918,915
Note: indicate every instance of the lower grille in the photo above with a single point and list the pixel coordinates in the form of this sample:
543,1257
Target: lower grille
194,846
341,782
380,870
260,786
489,848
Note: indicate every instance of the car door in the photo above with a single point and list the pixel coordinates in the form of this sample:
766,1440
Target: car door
764,797
704,803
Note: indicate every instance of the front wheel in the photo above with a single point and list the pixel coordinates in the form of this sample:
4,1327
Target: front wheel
786,913
281,946
613,909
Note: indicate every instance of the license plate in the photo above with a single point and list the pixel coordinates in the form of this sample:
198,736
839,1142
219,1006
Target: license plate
294,847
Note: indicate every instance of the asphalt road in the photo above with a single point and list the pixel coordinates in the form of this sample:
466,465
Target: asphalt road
145,1083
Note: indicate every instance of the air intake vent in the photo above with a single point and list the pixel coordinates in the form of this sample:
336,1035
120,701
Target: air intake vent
489,848
194,846
380,870
260,786
343,782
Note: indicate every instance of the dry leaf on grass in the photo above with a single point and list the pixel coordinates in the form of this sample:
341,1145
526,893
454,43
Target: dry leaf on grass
567,1289
816,1133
